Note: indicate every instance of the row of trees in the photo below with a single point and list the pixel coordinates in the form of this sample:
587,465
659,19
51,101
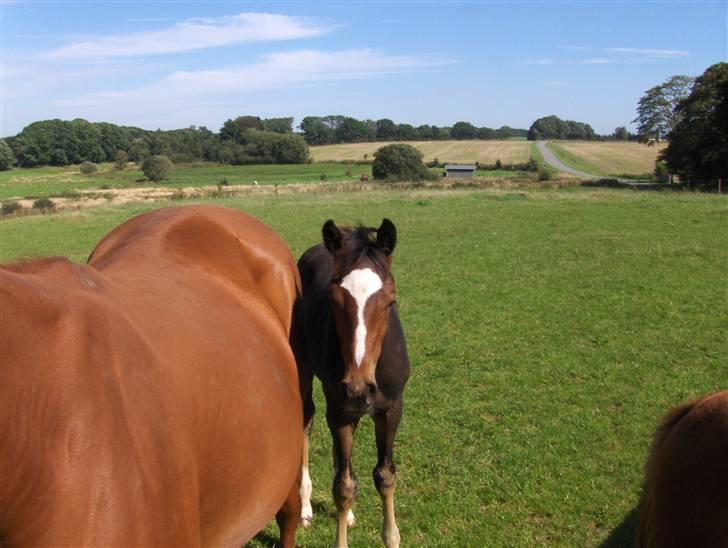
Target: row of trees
247,139
333,129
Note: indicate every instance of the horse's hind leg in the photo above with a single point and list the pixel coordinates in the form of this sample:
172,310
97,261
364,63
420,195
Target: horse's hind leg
288,516
385,473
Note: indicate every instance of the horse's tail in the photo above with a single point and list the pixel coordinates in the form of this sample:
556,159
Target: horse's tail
647,518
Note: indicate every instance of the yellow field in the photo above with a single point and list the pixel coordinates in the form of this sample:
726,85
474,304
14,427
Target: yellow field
445,151
615,158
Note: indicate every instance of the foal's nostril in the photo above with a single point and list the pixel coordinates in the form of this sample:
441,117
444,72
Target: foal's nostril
372,387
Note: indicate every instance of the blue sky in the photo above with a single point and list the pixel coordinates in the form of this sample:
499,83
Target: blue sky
175,64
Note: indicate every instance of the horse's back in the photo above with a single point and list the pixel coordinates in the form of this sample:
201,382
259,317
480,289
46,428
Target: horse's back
685,500
152,400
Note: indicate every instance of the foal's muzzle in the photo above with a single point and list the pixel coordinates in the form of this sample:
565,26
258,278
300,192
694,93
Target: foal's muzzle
360,391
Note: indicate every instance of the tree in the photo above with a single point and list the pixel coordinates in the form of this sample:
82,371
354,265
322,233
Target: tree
553,127
157,168
278,125
386,130
463,130
7,158
621,134
698,147
656,113
316,131
399,162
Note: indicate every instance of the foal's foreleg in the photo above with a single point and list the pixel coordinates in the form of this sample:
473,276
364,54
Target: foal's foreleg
345,485
385,473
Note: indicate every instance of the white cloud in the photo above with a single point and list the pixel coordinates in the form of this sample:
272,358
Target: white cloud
595,61
539,61
182,89
196,34
652,53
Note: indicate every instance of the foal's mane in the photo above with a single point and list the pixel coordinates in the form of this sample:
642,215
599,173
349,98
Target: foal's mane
360,242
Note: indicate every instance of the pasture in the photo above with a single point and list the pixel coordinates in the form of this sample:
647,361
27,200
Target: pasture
485,152
548,331
64,181
608,157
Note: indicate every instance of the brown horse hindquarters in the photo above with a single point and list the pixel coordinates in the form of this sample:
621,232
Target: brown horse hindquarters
685,499
153,403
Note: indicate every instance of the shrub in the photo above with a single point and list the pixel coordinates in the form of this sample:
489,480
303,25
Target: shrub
544,174
532,165
323,177
43,203
399,162
10,207
661,172
120,160
157,168
498,164
87,168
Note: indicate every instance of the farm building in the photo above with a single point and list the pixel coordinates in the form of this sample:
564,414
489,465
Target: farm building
463,171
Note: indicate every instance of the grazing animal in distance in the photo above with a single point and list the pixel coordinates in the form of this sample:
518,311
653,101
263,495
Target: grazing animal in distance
352,339
151,397
685,496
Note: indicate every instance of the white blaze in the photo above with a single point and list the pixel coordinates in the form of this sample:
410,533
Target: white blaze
361,284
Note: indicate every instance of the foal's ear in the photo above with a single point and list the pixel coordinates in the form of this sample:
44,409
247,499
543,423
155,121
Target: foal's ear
332,236
387,236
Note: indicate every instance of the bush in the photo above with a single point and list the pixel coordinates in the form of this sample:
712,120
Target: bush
157,168
87,168
10,207
498,164
120,160
399,162
43,203
544,174
532,165
661,172
323,177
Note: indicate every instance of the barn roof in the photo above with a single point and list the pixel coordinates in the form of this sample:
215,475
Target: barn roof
463,167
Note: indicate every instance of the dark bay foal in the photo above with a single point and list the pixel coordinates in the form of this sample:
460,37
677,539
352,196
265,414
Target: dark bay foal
352,339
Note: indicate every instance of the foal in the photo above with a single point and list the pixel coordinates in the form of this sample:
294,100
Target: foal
354,343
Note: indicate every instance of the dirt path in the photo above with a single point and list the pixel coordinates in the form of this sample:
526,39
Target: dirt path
551,159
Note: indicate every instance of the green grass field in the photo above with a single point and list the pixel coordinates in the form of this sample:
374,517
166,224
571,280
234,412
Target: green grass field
548,331
66,182
60,181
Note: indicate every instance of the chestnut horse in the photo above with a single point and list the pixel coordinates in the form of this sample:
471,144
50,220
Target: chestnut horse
685,498
353,341
151,398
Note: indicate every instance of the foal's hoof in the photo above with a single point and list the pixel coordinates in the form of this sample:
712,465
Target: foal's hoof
306,521
391,538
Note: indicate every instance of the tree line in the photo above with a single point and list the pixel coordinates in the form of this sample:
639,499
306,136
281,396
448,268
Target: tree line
243,140
335,129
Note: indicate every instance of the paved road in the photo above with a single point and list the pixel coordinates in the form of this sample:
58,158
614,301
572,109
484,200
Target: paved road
553,161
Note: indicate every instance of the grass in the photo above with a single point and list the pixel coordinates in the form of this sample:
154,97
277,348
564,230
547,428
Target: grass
487,152
67,182
57,181
548,330
610,158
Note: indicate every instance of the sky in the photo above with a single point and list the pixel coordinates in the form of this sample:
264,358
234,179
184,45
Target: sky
172,65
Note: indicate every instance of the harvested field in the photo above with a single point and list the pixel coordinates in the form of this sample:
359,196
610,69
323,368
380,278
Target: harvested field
487,152
611,158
